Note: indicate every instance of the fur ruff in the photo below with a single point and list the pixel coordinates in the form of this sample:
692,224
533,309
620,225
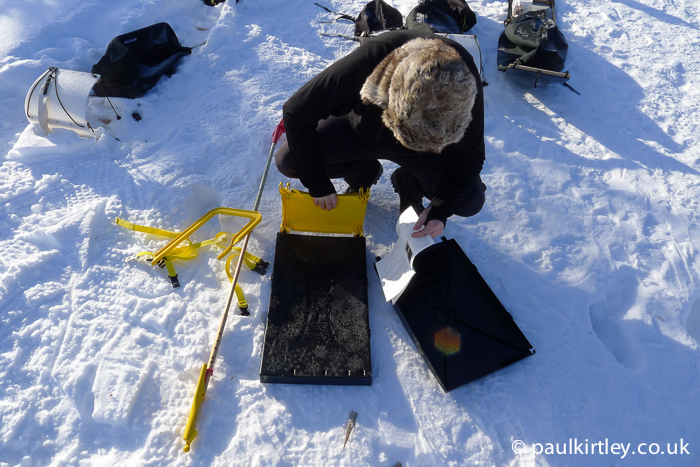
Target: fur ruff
427,93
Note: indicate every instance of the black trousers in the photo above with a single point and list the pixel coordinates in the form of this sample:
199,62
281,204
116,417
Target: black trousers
348,155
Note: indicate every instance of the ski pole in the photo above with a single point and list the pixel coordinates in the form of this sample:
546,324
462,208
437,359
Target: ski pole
208,368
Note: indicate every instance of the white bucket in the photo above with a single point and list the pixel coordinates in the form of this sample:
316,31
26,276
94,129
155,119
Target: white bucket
58,99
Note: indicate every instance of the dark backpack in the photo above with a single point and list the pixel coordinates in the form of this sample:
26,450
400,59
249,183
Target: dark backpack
376,16
135,61
534,40
442,16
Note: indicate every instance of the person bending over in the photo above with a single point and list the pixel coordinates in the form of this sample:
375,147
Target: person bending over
407,96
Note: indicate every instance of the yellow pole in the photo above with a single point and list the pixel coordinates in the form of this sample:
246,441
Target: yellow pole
208,368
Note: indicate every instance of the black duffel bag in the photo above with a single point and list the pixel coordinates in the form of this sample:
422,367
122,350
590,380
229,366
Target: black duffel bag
135,61
442,16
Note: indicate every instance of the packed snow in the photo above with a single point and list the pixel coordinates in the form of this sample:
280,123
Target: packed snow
589,237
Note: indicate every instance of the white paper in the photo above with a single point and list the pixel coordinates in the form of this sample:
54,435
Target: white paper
395,269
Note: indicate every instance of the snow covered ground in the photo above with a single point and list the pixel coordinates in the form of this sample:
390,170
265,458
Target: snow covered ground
589,237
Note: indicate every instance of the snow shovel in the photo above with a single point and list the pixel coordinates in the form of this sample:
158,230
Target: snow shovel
208,368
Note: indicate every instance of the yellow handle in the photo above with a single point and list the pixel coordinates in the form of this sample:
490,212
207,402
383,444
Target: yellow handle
190,432
254,216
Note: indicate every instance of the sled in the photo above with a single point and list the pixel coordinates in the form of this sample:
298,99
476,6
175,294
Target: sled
456,321
58,99
532,42
317,329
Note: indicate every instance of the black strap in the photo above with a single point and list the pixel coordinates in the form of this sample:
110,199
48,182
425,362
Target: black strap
340,15
31,93
61,103
352,38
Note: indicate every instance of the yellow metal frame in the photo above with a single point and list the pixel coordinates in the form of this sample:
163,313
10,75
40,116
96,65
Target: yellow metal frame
299,213
254,216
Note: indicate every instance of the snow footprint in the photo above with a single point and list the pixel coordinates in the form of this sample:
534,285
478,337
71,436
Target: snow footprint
117,388
609,325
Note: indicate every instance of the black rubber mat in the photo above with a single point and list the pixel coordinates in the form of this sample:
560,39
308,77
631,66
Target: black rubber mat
317,328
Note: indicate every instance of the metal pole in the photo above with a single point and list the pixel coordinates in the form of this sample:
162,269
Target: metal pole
208,369
275,138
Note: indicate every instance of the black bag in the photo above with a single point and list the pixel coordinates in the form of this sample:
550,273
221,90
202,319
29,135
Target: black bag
376,16
442,16
135,61
533,40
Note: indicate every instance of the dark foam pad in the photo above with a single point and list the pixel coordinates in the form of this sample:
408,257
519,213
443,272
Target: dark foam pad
317,328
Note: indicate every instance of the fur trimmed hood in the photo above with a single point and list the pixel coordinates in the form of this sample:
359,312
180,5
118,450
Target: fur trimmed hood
427,93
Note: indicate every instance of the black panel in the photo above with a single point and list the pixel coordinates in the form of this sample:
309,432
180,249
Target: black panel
455,319
318,322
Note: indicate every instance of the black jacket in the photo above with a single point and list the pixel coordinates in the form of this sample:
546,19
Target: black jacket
336,92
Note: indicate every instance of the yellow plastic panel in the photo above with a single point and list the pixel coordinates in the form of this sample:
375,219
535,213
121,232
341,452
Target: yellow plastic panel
299,213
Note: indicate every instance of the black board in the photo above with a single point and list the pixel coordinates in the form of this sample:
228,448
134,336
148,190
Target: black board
317,329
455,320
